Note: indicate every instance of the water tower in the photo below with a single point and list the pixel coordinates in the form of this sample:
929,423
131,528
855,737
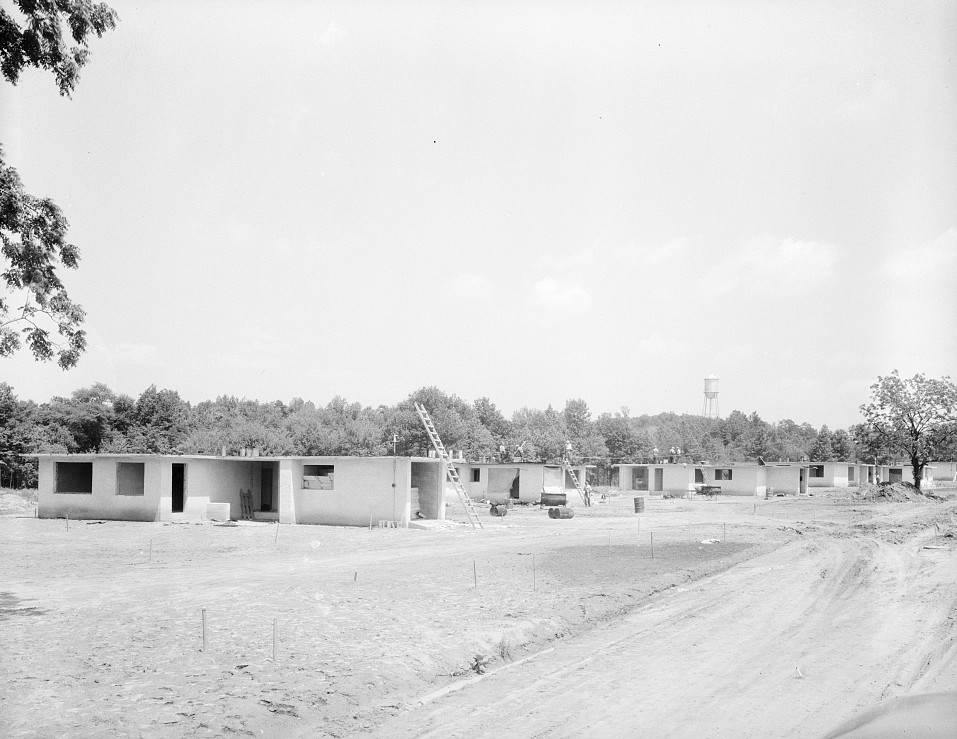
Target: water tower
710,409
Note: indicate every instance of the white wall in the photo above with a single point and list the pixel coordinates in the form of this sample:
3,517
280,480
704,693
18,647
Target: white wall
103,503
376,489
784,479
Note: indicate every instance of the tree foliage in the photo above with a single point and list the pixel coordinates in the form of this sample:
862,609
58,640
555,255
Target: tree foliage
914,417
95,419
34,303
37,37
35,308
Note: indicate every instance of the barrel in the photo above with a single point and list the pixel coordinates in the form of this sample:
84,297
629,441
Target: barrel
554,499
639,504
560,513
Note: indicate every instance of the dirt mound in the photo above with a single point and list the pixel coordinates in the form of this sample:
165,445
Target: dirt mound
895,491
12,504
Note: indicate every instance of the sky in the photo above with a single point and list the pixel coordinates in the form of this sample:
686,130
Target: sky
529,201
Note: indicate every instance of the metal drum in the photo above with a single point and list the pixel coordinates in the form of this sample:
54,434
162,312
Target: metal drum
560,513
554,499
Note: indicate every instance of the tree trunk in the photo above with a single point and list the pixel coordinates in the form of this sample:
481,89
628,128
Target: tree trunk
918,467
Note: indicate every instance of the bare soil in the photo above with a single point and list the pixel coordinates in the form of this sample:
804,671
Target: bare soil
760,618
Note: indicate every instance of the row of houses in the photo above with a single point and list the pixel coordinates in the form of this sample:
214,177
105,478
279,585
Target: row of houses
359,491
348,491
793,478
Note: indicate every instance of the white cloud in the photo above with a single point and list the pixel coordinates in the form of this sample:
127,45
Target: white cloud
927,259
333,34
471,286
789,267
651,255
239,232
662,346
580,260
134,353
550,294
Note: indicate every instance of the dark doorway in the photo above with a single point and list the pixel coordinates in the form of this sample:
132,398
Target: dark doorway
265,490
659,479
513,491
179,487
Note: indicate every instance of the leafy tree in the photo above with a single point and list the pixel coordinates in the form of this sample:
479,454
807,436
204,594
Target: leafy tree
821,450
33,301
160,421
456,421
36,40
492,419
19,435
582,434
916,418
538,436
623,438
81,423
842,446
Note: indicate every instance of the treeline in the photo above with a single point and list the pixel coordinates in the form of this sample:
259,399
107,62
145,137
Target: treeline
95,419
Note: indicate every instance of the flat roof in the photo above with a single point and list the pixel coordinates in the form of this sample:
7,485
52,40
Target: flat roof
228,458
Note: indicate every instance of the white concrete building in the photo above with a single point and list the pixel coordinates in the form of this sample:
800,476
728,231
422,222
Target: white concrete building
517,481
345,491
833,474
905,473
733,479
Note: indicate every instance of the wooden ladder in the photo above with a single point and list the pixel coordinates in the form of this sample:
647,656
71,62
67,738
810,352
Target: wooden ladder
566,466
470,511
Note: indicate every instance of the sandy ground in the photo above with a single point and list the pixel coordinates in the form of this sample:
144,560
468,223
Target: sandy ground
793,616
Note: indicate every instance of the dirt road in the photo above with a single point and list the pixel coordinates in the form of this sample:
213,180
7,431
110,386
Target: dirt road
693,618
788,644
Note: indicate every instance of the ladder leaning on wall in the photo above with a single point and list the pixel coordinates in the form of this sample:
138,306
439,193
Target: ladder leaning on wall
566,466
470,511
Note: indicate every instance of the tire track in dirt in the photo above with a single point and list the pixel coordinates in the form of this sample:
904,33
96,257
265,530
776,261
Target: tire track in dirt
785,645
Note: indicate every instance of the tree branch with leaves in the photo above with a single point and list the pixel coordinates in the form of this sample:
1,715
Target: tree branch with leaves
915,418
35,308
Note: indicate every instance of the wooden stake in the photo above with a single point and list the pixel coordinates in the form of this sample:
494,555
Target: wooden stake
67,521
151,550
474,574
204,630
652,544
276,540
274,630
724,534
534,582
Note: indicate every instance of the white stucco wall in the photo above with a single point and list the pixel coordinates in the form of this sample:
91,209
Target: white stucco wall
376,489
945,471
103,502
784,479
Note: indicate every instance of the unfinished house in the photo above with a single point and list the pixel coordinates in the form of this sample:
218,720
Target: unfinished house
733,479
833,474
343,491
945,471
866,473
522,482
905,473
